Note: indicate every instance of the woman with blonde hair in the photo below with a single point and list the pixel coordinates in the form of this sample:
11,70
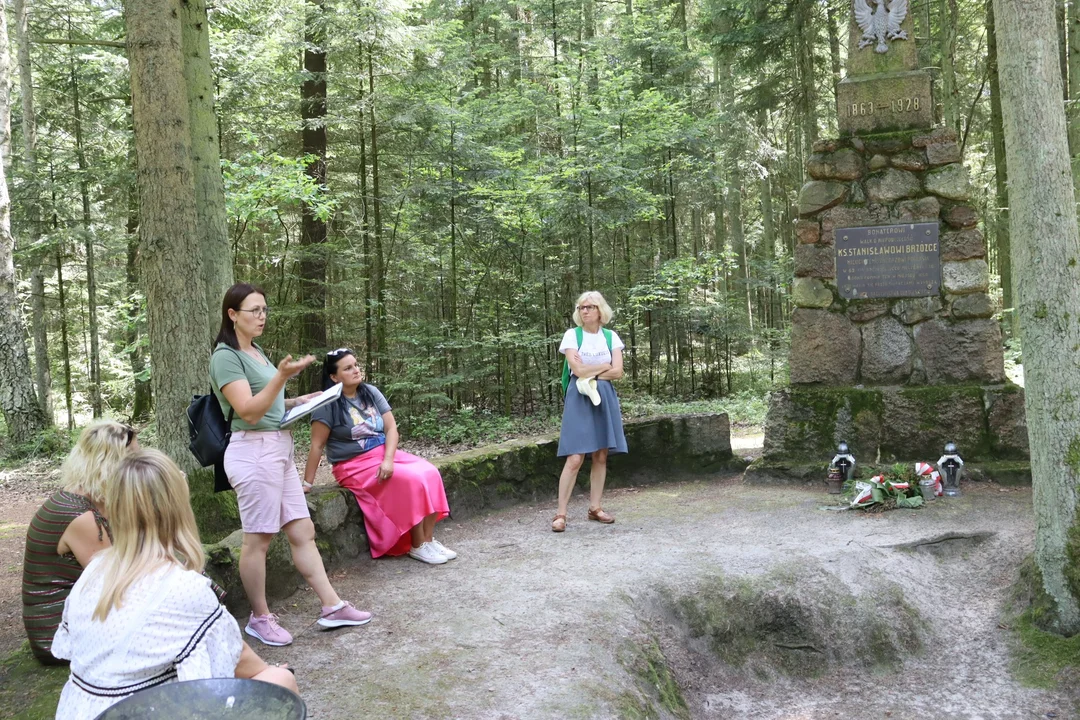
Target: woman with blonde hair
592,419
69,529
142,614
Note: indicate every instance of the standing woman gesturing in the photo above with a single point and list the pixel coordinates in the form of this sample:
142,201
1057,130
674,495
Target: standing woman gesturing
260,466
592,418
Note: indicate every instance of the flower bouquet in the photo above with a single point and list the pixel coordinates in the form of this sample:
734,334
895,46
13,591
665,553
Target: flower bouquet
897,487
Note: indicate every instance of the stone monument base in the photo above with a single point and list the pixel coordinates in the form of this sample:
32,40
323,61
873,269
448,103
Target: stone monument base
889,424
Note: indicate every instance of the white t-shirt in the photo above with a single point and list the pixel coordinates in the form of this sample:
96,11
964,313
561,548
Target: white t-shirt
593,348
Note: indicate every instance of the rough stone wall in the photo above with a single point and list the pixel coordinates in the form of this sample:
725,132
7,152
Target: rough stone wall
951,338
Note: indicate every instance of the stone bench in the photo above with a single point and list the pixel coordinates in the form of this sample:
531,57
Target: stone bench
661,449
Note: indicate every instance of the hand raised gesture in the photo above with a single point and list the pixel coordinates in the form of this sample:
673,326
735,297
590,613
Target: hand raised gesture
290,368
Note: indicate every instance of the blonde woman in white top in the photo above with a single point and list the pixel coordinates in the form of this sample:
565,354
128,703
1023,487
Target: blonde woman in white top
142,614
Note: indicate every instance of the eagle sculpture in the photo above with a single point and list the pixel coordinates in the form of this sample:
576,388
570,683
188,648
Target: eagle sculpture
879,24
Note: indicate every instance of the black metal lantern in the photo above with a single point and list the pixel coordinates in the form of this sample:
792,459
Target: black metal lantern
844,461
951,467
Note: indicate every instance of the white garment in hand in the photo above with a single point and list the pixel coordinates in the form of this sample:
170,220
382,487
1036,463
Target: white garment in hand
171,627
587,387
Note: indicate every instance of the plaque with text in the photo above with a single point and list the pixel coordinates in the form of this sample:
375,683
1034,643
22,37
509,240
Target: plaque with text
888,261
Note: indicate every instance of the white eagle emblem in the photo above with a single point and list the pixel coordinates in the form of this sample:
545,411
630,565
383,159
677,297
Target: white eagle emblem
879,24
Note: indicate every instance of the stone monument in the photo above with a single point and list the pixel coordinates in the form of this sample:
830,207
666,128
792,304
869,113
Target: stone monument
894,347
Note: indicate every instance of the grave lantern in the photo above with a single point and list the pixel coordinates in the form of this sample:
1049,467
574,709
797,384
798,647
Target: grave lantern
951,467
844,461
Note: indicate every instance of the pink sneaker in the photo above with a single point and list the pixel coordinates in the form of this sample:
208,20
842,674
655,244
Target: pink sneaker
266,629
344,615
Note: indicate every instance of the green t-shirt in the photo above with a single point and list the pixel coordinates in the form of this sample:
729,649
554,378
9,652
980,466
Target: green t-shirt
228,365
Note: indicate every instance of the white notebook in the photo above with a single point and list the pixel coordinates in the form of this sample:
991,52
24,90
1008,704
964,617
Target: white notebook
310,406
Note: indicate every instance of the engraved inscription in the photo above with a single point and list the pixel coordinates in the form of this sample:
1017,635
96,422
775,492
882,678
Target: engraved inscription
888,261
896,105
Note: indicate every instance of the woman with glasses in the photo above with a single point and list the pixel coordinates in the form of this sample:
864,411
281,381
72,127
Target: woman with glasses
260,466
142,614
401,495
592,419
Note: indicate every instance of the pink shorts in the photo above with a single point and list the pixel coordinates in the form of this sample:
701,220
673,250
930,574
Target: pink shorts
261,469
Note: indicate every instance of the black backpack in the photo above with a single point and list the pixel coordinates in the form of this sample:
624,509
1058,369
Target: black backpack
208,435
208,430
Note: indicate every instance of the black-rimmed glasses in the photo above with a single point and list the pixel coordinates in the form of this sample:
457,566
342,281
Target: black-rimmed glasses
586,308
259,312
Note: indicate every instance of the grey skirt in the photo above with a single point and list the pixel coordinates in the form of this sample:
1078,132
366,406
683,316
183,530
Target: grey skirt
586,427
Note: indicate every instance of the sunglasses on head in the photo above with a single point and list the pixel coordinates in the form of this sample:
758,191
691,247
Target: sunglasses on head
339,352
131,433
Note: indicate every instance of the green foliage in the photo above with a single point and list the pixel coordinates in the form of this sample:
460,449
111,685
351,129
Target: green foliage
53,444
465,426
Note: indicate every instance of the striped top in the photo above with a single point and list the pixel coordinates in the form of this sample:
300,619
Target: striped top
48,577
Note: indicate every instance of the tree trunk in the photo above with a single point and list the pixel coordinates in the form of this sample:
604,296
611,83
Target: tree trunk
170,253
313,227
32,206
88,245
376,200
18,400
950,98
1046,263
133,333
834,44
365,228
206,158
805,35
1072,108
1001,176
65,348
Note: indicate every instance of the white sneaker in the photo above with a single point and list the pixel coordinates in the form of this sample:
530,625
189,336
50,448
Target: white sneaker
443,550
428,554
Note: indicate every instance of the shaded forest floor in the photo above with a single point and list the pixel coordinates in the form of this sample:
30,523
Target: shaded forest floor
531,624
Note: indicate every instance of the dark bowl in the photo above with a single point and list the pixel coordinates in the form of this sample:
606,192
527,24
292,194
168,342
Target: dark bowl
209,700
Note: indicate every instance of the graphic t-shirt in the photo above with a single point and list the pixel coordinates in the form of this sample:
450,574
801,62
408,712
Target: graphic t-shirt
593,348
228,365
355,427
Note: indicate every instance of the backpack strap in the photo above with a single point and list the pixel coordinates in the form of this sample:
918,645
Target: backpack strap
607,336
232,410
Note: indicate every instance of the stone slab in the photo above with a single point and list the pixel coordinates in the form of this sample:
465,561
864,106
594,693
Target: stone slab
890,424
884,103
828,348
888,261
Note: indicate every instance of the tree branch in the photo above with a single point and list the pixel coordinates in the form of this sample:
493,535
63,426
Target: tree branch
63,41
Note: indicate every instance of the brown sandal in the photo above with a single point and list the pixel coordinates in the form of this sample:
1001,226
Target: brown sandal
600,516
558,524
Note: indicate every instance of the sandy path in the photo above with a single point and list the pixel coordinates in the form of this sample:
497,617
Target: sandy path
531,624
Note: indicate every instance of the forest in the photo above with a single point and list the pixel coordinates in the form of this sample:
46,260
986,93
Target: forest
434,183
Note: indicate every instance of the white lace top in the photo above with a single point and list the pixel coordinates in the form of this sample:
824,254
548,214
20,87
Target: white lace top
171,627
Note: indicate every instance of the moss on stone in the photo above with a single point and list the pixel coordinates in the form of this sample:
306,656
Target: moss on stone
28,689
800,622
659,690
217,514
1039,655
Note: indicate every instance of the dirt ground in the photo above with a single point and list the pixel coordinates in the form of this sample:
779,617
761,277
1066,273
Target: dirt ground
532,624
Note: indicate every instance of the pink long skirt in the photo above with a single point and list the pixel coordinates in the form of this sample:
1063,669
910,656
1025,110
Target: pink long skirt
393,507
